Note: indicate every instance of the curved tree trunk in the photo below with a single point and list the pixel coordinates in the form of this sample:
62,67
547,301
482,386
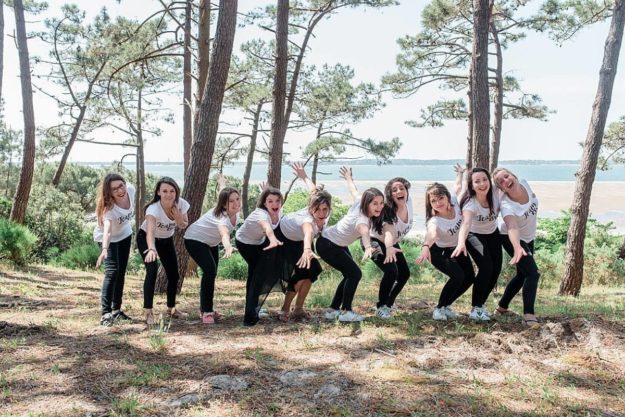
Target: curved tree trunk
479,83
574,259
315,167
245,185
205,135
498,113
1,46
278,119
203,50
22,192
187,80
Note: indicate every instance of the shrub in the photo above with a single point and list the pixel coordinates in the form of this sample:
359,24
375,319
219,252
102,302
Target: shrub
16,242
5,207
233,267
80,256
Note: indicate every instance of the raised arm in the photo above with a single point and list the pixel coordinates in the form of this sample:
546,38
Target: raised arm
300,172
222,182
346,174
460,170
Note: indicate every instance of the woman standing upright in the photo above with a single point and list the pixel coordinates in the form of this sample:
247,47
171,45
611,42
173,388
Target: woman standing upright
479,235
519,208
163,214
333,246
202,240
115,209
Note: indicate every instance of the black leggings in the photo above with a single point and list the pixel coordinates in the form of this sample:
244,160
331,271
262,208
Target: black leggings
167,254
339,258
395,274
526,277
115,274
207,258
253,256
458,269
485,250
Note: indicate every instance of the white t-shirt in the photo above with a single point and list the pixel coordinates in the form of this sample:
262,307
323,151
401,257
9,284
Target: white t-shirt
165,227
206,228
251,232
291,224
401,227
446,229
526,214
120,218
345,231
484,222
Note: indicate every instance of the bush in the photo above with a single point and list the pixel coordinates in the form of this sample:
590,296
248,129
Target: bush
16,242
80,256
233,267
5,207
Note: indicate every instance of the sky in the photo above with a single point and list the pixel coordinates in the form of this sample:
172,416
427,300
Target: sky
564,76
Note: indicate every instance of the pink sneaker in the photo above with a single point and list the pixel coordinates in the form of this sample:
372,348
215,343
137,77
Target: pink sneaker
208,318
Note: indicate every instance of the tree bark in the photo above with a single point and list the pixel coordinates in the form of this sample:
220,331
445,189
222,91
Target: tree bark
315,167
203,48
469,157
574,258
22,192
187,81
479,83
1,46
140,163
278,120
245,185
498,113
202,150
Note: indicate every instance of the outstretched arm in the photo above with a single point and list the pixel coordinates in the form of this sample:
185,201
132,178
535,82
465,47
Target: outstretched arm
346,174
460,170
300,172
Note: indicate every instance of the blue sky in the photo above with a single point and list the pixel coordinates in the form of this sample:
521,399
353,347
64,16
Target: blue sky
565,76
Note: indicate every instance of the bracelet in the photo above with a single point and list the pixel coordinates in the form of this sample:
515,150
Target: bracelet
425,246
148,250
103,248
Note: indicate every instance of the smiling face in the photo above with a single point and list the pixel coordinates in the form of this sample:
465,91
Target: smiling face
399,193
505,180
234,204
118,190
167,194
273,203
374,209
439,202
480,183
321,213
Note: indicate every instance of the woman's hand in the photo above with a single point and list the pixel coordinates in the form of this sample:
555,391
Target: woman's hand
425,255
151,255
346,173
102,257
273,242
460,249
391,254
306,258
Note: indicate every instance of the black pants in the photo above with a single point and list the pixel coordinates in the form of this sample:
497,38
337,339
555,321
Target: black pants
339,258
207,258
253,256
485,250
395,274
115,274
526,277
458,269
167,253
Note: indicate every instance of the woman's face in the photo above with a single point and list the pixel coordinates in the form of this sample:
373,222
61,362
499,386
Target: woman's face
375,206
118,190
234,204
167,193
399,193
322,212
505,180
480,183
273,204
439,202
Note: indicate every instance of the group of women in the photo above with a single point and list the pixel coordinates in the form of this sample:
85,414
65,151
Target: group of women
283,251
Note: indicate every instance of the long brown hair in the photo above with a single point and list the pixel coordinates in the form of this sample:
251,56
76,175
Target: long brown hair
105,199
156,197
390,206
471,192
223,199
260,203
436,189
367,197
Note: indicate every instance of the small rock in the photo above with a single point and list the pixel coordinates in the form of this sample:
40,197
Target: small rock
188,399
296,378
227,383
328,391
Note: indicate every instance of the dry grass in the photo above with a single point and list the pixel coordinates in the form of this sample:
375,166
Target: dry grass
55,359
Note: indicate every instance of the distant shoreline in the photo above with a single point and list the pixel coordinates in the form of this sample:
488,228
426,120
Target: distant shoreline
374,162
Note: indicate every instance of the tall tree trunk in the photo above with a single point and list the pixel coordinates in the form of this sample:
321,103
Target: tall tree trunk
315,168
469,157
1,47
140,163
278,123
621,254
203,48
68,147
187,81
498,113
479,83
574,258
203,148
22,192
245,186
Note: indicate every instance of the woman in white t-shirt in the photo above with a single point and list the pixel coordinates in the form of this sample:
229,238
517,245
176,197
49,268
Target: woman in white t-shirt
333,246
443,222
258,244
202,240
115,209
155,239
479,235
519,209
398,217
297,231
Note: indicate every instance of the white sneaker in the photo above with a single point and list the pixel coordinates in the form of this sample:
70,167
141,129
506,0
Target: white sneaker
348,316
383,312
331,314
450,313
479,314
263,313
439,314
